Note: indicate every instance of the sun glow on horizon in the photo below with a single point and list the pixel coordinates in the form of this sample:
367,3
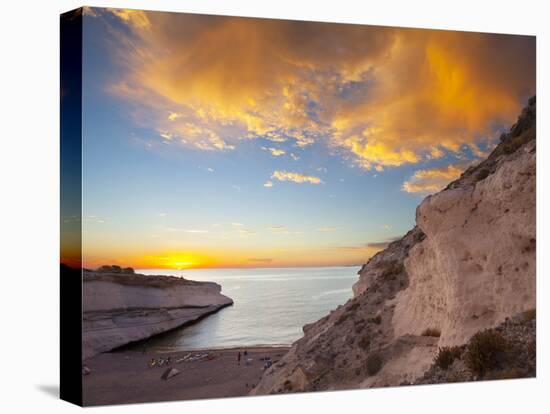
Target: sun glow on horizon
237,259
181,261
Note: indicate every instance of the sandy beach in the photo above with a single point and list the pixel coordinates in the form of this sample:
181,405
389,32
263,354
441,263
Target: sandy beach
124,377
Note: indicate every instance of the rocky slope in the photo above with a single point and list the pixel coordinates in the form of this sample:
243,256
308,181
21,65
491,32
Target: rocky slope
468,264
122,308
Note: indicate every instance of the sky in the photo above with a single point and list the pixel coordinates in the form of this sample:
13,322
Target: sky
213,141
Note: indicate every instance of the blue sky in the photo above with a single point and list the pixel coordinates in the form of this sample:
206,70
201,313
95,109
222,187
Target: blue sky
297,172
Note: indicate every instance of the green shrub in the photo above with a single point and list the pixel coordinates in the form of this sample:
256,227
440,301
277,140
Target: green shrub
483,174
509,148
514,144
374,364
529,315
287,386
353,307
392,269
359,325
483,351
432,332
342,318
446,355
377,319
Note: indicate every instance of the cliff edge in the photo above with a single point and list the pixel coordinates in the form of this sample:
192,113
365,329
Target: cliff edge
120,308
463,276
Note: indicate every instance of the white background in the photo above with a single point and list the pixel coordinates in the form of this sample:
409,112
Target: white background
29,192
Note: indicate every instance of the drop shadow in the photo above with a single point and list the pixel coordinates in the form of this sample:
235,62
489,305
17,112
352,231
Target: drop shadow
49,389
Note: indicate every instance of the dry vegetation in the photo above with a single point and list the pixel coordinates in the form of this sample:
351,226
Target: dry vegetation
484,351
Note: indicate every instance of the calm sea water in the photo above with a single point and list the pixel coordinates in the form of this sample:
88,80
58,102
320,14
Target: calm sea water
271,305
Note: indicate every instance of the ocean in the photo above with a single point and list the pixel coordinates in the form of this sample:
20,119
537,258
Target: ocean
270,305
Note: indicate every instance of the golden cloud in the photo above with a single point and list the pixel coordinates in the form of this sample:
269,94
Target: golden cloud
432,180
276,152
295,177
383,97
135,18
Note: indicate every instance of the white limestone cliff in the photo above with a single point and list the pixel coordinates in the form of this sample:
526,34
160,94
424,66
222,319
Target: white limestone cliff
468,265
119,309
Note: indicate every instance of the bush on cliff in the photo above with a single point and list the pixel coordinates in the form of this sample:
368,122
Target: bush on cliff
287,386
343,317
364,342
513,145
376,319
374,364
484,351
529,315
483,174
446,356
392,269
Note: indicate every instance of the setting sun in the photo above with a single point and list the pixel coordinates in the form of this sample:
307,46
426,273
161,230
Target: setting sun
179,261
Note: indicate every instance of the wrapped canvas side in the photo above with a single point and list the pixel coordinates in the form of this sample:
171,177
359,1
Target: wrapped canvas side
71,207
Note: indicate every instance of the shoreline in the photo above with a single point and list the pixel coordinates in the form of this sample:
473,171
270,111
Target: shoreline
168,350
125,376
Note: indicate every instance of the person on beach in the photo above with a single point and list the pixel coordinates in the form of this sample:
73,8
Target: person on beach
239,358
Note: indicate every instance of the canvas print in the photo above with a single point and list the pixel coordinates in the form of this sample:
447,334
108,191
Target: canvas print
258,206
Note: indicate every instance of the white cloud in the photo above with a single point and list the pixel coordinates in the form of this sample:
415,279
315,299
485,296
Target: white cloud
166,135
295,177
276,152
172,116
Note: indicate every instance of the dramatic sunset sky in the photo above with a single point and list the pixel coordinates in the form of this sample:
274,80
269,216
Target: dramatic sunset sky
232,142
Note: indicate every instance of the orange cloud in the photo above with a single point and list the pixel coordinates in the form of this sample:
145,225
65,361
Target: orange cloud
383,97
135,18
432,180
455,87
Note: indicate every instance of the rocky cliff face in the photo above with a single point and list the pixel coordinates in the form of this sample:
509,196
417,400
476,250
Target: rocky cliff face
468,264
123,308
